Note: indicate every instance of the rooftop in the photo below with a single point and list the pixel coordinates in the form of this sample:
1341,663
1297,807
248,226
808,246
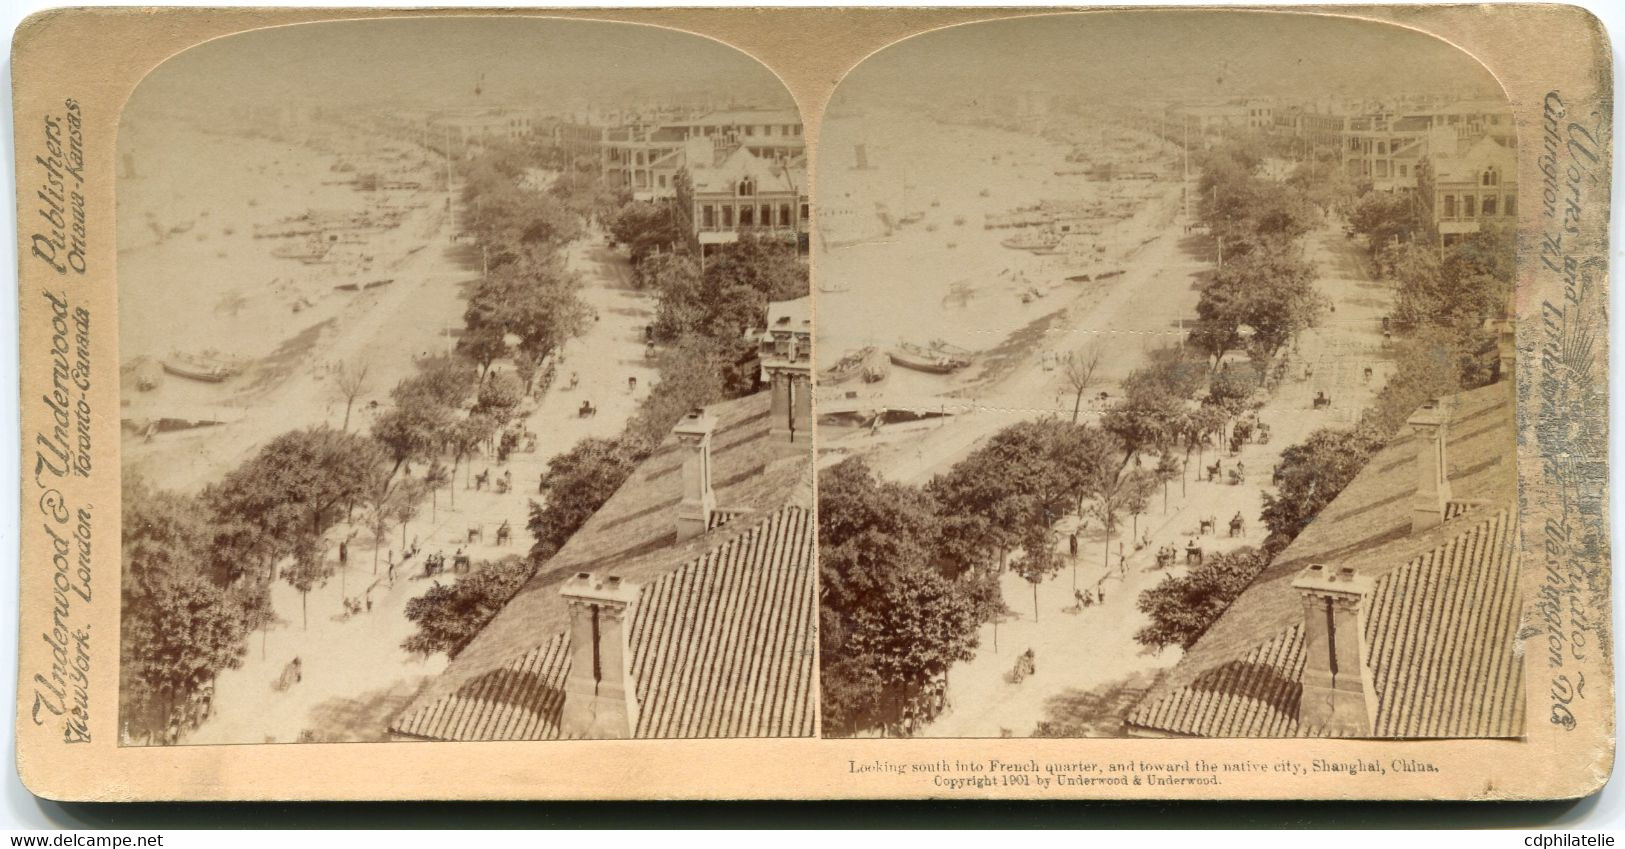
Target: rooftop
1441,621
720,647
1466,166
635,535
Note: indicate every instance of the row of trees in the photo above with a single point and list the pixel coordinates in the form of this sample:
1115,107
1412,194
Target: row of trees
198,570
1443,298
1259,300
705,357
909,574
1262,295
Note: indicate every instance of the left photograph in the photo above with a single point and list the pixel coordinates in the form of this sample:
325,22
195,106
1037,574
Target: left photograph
465,380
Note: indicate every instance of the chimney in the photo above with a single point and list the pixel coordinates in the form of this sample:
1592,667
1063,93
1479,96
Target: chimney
600,701
1338,698
1432,467
699,500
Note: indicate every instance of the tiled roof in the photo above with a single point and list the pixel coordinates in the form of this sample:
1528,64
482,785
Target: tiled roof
721,647
1466,166
739,164
1441,632
1367,527
635,535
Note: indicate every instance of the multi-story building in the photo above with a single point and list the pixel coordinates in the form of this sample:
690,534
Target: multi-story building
1462,191
1384,146
630,153
732,192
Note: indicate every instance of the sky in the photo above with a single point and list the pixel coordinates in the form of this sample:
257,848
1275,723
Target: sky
436,62
1171,54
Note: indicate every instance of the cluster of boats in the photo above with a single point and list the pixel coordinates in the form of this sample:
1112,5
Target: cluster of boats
312,223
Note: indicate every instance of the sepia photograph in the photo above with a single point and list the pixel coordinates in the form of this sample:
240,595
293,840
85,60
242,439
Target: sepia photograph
1165,367
465,388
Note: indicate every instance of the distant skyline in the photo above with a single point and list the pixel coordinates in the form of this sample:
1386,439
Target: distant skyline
436,62
1154,54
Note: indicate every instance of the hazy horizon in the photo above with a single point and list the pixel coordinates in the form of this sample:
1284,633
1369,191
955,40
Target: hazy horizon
436,63
1137,54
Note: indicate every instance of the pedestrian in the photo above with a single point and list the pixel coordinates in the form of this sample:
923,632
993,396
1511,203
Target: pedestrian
391,560
369,601
1073,544
344,553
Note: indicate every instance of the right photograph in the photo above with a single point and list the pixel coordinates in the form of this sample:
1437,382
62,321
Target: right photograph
1164,383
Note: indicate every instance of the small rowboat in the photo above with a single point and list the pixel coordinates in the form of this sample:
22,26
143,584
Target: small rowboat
204,367
932,360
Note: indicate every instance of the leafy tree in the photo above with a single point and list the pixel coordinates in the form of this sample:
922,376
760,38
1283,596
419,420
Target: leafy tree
1168,372
407,502
1269,292
412,431
464,437
1431,363
1143,421
1233,388
889,620
178,629
1137,490
532,298
307,569
1385,218
449,617
647,228
434,479
575,485
696,372
1039,559
499,398
732,295
442,380
1182,609
1312,473
288,491
510,220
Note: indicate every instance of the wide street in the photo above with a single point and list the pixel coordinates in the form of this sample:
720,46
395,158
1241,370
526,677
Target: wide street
350,694
1089,667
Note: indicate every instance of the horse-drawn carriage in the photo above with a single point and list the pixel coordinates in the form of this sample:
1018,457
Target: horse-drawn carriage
1321,400
1237,525
504,533
1025,666
292,674
586,410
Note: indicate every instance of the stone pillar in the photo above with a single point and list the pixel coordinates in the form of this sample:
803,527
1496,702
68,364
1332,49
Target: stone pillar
699,499
802,409
780,405
600,699
1338,698
1432,466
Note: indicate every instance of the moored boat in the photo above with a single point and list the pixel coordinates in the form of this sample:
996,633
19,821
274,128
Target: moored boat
207,367
937,359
